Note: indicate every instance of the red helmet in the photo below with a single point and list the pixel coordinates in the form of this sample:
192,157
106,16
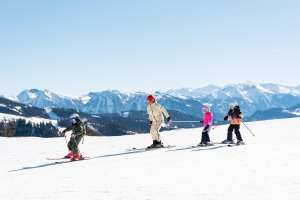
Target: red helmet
151,98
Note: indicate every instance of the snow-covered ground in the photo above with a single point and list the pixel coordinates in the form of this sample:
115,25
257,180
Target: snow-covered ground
268,167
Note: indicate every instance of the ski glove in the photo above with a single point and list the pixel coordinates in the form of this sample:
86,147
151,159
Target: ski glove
64,132
169,119
73,135
206,128
150,123
201,121
225,118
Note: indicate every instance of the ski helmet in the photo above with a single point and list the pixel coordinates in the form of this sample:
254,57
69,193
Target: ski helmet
233,104
205,108
74,118
151,98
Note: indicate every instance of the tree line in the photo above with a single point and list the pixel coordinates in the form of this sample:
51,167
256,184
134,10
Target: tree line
21,128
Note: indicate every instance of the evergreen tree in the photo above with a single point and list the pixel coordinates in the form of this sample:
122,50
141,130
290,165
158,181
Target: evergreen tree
8,127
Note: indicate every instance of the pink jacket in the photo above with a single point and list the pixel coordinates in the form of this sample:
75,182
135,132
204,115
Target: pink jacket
208,119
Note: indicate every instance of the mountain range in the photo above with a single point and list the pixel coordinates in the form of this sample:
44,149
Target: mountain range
257,101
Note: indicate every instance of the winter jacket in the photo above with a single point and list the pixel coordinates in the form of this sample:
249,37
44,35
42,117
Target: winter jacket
156,111
78,128
234,113
207,120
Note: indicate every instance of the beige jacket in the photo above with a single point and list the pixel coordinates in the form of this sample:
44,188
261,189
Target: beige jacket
156,111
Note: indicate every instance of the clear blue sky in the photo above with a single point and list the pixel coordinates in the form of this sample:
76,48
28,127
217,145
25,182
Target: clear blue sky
76,47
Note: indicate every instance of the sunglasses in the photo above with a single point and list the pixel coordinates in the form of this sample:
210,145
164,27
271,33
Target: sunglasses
72,120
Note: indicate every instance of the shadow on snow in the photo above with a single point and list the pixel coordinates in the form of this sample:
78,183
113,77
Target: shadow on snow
61,162
198,148
117,154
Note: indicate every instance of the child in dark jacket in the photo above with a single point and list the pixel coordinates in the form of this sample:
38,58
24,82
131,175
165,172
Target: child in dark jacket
236,118
78,132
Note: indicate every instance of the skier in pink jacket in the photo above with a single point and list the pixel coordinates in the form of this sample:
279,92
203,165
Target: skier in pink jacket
207,124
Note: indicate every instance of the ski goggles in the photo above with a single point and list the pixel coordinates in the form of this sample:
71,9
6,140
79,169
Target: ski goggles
72,120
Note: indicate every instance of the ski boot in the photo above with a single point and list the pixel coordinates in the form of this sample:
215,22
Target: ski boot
70,155
240,142
227,142
156,144
159,144
153,145
201,144
76,157
204,144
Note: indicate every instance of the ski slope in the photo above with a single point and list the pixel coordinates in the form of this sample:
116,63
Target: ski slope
267,168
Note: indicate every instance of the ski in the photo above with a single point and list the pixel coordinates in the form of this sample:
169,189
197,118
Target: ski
165,147
68,161
198,146
235,144
213,143
149,149
57,158
208,144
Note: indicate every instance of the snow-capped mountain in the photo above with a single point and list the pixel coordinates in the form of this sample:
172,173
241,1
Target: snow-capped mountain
114,101
197,93
251,97
43,99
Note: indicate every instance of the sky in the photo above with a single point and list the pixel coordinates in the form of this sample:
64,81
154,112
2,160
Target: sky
265,168
74,47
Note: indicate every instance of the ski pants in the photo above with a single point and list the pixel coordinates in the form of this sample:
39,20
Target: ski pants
236,128
73,144
154,130
205,137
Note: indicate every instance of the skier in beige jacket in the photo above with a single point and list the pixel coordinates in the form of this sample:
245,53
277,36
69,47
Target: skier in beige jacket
155,112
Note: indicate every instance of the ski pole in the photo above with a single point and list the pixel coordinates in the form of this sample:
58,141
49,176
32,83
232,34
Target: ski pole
66,141
248,129
217,125
185,121
163,139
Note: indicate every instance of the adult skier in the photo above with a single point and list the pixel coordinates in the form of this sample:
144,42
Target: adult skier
207,124
236,118
155,112
78,131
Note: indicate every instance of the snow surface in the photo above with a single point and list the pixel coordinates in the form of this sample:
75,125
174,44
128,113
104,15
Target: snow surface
268,167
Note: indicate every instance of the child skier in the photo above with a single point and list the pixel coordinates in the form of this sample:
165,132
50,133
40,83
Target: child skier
155,112
207,124
236,118
78,131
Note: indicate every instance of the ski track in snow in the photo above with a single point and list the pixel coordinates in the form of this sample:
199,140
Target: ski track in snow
267,167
